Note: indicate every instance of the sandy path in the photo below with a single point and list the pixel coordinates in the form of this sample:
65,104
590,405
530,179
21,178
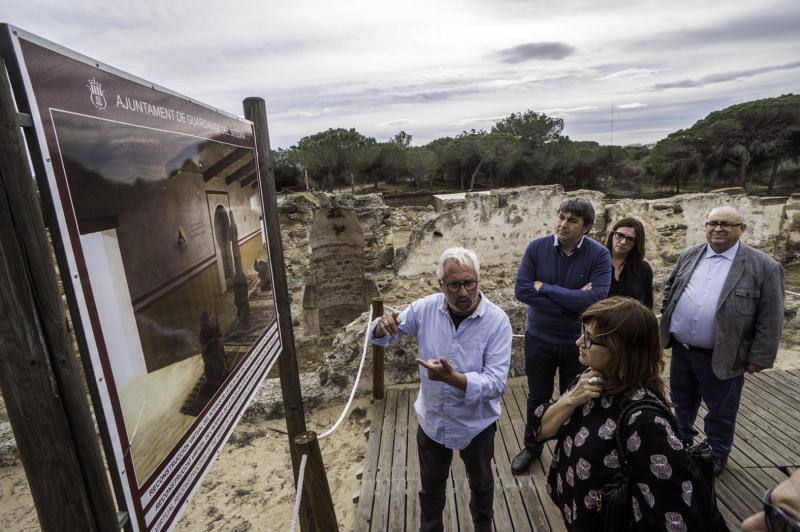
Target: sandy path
250,486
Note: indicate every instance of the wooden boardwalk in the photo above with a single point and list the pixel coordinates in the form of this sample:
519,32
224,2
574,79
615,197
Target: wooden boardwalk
766,449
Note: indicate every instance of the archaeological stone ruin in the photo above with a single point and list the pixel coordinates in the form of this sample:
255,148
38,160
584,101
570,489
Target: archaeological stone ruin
400,245
343,250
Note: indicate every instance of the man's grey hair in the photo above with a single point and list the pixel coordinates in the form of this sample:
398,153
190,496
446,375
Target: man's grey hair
736,209
466,258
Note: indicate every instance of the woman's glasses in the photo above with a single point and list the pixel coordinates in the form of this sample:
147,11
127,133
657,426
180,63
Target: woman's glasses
622,237
588,340
778,519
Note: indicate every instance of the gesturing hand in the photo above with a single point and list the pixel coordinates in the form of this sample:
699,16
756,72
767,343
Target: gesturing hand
589,386
388,324
440,369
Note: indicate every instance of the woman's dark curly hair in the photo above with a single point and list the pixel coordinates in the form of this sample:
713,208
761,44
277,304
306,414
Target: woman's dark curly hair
629,330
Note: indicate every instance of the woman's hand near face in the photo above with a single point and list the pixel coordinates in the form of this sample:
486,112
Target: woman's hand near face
589,386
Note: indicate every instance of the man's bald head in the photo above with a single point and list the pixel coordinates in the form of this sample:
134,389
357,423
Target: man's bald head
724,227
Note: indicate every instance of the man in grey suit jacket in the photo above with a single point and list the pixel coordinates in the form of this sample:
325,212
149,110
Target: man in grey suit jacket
722,315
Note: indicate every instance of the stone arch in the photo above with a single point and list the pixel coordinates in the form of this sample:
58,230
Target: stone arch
336,239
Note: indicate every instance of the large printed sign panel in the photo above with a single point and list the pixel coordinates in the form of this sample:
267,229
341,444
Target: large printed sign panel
159,209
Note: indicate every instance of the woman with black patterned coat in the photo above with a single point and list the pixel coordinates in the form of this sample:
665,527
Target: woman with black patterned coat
620,348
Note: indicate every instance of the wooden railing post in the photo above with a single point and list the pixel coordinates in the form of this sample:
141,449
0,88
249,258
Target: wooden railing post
377,355
315,483
255,110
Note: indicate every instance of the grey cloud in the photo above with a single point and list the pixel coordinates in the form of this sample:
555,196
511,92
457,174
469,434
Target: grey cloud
769,25
549,51
725,76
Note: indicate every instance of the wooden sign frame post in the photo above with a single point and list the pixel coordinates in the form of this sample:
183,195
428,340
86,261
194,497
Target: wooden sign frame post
39,373
255,110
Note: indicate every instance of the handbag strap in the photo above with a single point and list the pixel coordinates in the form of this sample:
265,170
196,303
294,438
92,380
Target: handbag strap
640,406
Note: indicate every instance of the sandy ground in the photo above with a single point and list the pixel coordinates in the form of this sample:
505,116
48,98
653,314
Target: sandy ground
250,487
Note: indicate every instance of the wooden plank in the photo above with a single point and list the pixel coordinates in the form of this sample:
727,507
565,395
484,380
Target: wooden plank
783,381
518,495
762,429
412,472
397,505
528,496
764,477
380,507
523,500
765,450
364,512
540,468
777,395
741,452
503,504
770,430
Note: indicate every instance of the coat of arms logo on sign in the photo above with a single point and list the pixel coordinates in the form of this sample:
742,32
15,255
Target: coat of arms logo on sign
97,94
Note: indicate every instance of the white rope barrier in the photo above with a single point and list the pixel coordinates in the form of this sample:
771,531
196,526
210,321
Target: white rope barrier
355,383
792,293
299,495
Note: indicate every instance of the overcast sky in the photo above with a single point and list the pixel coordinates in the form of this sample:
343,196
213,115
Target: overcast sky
434,68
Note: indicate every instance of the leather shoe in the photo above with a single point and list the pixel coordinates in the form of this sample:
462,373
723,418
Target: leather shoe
522,462
719,465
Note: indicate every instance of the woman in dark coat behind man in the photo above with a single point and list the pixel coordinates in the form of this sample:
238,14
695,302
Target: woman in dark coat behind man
631,275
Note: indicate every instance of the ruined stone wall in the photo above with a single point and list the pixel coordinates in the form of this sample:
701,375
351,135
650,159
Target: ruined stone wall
499,225
367,256
401,245
403,220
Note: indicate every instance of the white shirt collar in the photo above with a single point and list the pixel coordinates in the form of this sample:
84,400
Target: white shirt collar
556,243
729,254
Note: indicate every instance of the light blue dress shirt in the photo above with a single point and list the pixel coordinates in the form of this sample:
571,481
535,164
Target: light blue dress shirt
692,320
480,348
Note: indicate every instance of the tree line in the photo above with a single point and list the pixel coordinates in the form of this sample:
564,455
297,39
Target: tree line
755,145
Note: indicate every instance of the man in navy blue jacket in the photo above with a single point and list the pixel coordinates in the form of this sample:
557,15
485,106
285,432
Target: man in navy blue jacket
559,277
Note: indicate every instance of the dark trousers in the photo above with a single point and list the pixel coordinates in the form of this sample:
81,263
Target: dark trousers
541,361
434,467
691,380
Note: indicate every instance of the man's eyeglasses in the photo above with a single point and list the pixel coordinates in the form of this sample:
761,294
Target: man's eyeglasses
621,237
588,340
711,224
778,519
455,286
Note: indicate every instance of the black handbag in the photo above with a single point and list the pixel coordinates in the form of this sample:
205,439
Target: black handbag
614,501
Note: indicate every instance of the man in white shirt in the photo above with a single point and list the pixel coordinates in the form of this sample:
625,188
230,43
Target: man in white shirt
464,355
